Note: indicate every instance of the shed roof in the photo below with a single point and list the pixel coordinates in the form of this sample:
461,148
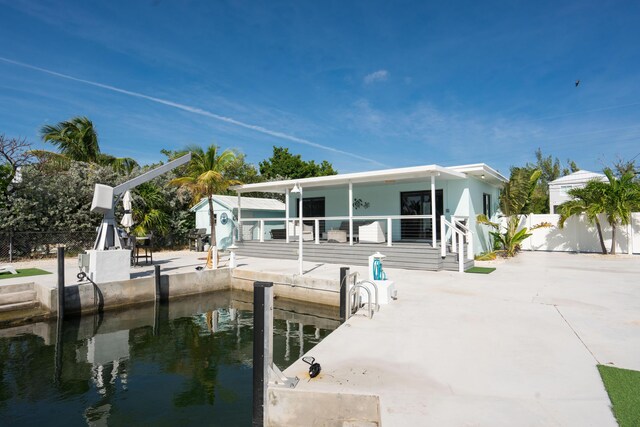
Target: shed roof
248,203
579,177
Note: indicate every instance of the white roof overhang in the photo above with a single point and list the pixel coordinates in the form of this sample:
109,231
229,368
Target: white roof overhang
387,176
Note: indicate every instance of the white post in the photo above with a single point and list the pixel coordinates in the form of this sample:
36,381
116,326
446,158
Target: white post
460,255
261,230
351,213
239,217
317,231
389,231
286,220
470,253
443,242
434,234
300,234
454,237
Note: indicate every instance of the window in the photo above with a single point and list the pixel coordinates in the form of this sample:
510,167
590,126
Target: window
486,204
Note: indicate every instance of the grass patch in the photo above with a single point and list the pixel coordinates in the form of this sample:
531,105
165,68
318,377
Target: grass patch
480,270
24,272
623,387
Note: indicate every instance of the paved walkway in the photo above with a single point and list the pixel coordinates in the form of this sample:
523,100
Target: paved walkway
517,347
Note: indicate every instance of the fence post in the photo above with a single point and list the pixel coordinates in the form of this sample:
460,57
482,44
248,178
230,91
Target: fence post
344,272
60,282
262,348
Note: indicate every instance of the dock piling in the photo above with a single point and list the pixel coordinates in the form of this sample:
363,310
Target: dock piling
262,347
344,273
60,282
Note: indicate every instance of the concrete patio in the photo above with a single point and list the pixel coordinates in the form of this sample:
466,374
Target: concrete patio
515,347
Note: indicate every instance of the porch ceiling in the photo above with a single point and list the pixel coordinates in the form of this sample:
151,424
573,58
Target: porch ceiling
387,176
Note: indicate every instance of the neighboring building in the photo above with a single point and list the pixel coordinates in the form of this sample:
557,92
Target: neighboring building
225,209
559,187
394,208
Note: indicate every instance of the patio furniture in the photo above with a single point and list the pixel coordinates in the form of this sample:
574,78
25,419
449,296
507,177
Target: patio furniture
197,238
337,236
144,244
371,233
307,231
344,226
8,269
278,234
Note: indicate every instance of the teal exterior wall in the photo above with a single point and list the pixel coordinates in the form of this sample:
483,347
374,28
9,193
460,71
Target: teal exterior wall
461,197
224,231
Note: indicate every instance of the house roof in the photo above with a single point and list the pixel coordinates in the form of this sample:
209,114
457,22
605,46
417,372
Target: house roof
409,174
248,203
579,177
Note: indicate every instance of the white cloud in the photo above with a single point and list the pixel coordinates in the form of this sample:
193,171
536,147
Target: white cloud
376,76
196,110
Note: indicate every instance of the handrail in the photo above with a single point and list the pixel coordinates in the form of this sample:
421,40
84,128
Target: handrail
353,290
375,288
457,236
337,218
458,223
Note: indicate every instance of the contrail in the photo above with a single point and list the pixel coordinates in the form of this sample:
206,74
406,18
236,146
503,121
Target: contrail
193,110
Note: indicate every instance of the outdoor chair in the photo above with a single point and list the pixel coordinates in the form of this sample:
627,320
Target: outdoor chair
371,233
307,231
143,244
8,269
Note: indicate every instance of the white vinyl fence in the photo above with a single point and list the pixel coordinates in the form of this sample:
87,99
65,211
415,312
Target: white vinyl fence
579,236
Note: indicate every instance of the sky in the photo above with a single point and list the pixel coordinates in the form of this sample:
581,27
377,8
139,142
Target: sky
365,85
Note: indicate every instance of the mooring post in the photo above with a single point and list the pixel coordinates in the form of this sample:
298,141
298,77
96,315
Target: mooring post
262,348
60,282
156,273
344,272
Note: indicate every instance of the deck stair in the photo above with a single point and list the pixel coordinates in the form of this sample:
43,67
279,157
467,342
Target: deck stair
410,256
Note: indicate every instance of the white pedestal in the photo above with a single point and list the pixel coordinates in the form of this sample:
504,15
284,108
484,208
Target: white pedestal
109,266
386,291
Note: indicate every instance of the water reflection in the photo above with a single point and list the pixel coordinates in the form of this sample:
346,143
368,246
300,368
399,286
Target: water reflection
185,363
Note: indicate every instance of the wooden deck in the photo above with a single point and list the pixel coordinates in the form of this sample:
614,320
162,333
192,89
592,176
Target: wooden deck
404,255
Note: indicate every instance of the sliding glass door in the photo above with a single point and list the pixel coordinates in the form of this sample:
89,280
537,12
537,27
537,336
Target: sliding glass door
418,203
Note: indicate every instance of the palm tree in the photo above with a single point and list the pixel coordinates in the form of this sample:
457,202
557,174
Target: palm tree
621,198
615,199
206,175
77,139
588,200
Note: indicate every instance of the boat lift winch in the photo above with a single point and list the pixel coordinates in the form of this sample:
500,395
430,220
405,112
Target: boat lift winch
109,260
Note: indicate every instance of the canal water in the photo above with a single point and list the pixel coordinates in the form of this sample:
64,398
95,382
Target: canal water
185,363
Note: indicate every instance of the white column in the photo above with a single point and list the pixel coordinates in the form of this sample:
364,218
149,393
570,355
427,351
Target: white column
239,217
389,231
434,232
300,234
286,207
351,213
262,230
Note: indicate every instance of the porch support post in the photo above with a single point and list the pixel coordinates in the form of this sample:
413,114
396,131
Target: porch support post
286,217
316,229
300,234
350,213
239,217
389,231
434,231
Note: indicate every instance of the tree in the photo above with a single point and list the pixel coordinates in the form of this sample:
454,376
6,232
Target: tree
550,170
515,200
14,154
207,174
622,197
616,199
284,165
77,139
588,200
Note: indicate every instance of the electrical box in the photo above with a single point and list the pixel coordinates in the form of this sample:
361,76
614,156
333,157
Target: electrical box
102,199
83,262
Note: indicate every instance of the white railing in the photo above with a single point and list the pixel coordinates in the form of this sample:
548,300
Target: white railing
260,227
458,234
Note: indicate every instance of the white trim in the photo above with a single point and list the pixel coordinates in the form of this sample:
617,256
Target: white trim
351,213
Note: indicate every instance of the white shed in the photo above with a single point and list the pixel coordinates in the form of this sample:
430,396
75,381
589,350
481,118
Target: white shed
559,187
225,209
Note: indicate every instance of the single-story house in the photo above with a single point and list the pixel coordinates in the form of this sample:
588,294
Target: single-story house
385,207
559,187
225,210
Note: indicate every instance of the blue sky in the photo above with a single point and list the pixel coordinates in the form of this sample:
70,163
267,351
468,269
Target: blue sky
365,85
